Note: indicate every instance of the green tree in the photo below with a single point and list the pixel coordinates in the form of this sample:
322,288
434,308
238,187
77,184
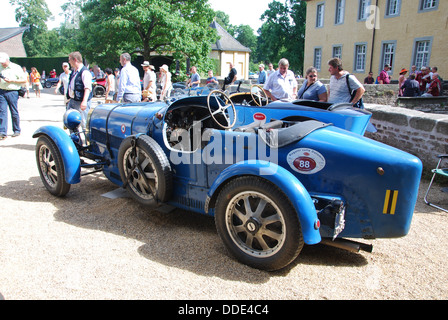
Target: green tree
282,34
246,36
243,33
180,28
34,13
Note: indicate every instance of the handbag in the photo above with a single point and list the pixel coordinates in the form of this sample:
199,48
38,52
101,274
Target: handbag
22,92
360,103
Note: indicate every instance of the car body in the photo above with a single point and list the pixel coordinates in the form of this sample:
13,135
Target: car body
275,177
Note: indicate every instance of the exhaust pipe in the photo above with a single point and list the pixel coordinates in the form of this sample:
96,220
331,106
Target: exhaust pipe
348,245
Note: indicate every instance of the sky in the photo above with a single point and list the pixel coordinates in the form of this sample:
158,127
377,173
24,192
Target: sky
239,11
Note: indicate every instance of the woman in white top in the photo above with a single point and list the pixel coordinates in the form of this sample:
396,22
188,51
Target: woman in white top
165,81
110,84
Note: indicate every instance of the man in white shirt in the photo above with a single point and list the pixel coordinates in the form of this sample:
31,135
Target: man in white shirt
282,84
63,81
129,89
79,87
12,78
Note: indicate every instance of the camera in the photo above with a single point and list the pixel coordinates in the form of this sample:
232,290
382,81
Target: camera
2,76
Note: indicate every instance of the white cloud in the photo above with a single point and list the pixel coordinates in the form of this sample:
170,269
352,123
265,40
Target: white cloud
242,11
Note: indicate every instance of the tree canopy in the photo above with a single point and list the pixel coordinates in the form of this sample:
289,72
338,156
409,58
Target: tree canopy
103,29
178,27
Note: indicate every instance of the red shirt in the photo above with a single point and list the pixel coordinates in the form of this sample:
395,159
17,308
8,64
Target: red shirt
422,82
384,77
434,88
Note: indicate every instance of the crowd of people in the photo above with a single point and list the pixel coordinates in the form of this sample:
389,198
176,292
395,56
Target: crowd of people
425,82
280,84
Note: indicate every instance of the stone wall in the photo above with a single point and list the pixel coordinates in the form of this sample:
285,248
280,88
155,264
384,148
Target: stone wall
424,135
425,104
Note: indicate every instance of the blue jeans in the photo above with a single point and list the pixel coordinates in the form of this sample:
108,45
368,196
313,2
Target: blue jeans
9,99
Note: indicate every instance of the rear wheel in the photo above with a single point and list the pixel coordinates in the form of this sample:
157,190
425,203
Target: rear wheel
258,224
51,167
99,91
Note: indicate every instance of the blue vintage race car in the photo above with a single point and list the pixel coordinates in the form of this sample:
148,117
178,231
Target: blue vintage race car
275,176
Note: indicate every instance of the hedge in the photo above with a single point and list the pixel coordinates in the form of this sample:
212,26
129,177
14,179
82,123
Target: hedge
42,64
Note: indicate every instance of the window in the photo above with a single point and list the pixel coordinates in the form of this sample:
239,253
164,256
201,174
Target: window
317,58
388,55
393,8
337,51
360,57
320,15
428,4
422,53
340,8
363,11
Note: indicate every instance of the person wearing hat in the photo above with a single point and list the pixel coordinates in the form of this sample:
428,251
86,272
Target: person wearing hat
401,80
63,81
165,81
149,82
129,88
12,78
262,75
384,75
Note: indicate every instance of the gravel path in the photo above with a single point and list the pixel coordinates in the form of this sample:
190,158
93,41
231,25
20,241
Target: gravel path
86,246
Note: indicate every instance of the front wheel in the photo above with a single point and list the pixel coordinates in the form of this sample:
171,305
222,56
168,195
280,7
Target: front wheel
51,167
145,170
258,224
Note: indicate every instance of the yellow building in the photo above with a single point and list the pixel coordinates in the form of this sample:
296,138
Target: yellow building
228,50
367,34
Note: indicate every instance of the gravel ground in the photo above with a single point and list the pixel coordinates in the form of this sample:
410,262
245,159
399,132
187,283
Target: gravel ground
87,246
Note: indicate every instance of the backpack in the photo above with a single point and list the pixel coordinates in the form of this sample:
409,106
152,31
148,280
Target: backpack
360,103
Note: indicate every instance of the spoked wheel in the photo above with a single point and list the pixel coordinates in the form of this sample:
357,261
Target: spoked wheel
99,91
145,170
258,224
217,107
259,96
51,167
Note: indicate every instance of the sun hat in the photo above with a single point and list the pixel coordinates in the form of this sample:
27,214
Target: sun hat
164,67
3,57
403,71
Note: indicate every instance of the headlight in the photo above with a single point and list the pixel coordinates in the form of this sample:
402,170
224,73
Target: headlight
72,119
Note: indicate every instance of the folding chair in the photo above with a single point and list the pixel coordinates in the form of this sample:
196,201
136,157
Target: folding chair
436,171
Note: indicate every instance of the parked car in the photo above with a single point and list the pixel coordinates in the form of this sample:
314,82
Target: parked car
49,82
275,177
99,87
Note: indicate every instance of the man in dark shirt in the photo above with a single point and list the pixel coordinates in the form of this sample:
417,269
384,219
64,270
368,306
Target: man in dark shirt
231,78
369,79
410,87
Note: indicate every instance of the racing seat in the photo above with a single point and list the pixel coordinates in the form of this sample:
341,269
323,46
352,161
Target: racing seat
437,171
